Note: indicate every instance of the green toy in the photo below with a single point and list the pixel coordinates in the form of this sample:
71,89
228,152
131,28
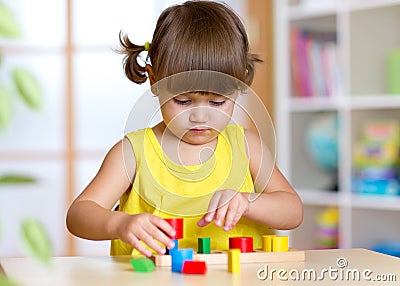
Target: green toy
143,264
204,245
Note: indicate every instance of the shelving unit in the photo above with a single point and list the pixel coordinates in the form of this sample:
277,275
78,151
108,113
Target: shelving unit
365,32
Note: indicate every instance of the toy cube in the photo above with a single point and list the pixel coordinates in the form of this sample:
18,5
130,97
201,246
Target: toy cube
142,264
179,257
194,267
177,224
204,245
176,242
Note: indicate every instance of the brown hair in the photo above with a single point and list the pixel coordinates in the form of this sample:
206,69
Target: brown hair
195,35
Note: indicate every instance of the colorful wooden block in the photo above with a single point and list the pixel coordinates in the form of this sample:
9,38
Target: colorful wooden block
204,245
142,264
245,244
177,224
194,267
267,242
179,257
176,242
280,243
234,260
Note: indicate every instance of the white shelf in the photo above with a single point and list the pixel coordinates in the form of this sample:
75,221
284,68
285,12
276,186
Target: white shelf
358,5
331,198
315,104
376,202
361,97
354,102
319,197
302,12
379,101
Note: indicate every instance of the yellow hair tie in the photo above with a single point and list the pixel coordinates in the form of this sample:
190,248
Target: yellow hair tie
147,46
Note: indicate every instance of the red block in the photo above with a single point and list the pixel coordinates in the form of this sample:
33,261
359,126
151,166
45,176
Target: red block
245,244
194,267
177,224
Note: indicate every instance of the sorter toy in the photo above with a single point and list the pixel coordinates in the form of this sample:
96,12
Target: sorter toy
274,249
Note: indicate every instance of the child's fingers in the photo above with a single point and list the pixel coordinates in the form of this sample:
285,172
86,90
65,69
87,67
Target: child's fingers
211,210
164,226
220,215
150,241
237,208
138,246
226,200
232,215
150,230
206,219
162,231
160,235
152,234
214,203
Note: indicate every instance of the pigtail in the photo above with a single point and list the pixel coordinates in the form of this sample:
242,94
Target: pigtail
133,70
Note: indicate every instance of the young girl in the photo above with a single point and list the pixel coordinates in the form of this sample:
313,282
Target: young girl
194,164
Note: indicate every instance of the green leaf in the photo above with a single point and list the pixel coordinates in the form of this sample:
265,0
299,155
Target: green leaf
8,26
28,87
5,108
4,281
16,179
35,238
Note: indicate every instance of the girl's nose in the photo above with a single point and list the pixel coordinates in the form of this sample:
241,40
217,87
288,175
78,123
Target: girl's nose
198,115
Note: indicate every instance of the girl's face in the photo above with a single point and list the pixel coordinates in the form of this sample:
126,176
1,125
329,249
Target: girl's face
197,118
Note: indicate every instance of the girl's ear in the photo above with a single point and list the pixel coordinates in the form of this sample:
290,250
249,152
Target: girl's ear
150,74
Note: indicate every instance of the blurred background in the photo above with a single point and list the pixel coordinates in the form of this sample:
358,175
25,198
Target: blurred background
51,149
330,80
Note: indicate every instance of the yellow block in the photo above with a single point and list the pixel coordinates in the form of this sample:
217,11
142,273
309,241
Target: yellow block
267,242
234,260
280,243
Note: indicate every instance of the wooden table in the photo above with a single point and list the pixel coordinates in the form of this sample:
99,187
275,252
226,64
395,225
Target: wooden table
327,267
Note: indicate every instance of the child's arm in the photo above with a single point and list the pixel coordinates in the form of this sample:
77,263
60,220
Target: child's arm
90,216
275,203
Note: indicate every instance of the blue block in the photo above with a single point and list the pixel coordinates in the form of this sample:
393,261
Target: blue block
179,256
175,247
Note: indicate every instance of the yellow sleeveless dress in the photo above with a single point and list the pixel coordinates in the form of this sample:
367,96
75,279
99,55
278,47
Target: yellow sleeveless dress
167,189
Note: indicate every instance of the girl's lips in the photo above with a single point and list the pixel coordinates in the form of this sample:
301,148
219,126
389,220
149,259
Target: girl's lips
198,130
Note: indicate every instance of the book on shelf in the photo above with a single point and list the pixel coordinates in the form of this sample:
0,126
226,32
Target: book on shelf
376,159
314,68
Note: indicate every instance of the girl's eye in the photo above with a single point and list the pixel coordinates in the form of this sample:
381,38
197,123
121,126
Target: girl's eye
217,103
182,101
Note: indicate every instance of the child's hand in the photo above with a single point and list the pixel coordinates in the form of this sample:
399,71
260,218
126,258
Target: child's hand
147,228
226,207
